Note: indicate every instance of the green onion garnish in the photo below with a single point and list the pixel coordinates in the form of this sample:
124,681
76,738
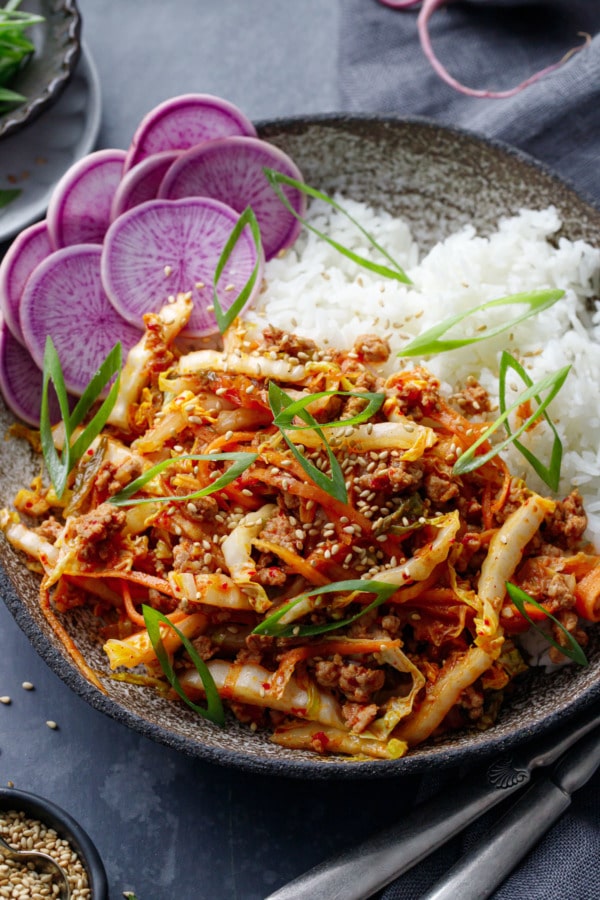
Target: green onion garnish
285,409
520,597
285,417
224,319
468,461
550,475
428,343
271,627
334,486
214,708
241,461
59,465
276,179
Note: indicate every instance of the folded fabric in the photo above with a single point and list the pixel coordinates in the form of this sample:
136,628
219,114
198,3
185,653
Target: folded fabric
493,44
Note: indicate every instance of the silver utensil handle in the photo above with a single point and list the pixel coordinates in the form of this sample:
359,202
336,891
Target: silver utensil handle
359,872
477,875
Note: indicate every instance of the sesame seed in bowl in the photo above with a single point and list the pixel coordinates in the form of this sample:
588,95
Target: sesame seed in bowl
30,822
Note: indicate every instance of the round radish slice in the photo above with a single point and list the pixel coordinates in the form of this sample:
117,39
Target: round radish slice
27,250
21,381
64,298
231,170
184,121
142,182
163,247
79,208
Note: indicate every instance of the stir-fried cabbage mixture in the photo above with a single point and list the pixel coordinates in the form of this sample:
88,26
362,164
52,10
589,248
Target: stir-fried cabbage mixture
340,587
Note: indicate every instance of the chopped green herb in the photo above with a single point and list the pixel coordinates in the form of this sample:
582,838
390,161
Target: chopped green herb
276,179
520,598
241,461
224,319
271,625
59,465
469,461
214,708
428,342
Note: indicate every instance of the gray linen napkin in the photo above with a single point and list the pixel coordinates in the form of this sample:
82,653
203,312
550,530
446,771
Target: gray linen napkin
494,44
485,44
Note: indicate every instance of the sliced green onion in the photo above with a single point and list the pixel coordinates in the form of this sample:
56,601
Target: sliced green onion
214,708
59,465
276,179
468,461
429,343
224,319
271,626
334,486
285,417
520,597
241,461
15,49
550,475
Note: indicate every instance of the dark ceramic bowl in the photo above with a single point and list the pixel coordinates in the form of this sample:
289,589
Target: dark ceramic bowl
66,827
439,179
58,46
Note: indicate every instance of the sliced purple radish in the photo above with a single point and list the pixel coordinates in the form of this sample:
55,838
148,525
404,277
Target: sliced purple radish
231,170
164,247
142,182
27,250
183,122
64,298
21,381
80,205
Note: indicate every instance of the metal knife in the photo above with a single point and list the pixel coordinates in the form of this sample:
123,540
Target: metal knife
359,872
477,874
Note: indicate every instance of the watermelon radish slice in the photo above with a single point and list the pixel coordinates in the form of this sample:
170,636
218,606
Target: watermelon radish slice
142,182
64,298
231,170
164,247
27,250
21,381
80,205
184,121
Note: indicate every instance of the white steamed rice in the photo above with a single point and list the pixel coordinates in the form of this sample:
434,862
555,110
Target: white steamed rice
315,291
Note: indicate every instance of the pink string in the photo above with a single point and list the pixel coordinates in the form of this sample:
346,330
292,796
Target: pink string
428,7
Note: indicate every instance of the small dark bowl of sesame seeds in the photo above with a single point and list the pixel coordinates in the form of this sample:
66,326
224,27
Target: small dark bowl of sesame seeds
30,822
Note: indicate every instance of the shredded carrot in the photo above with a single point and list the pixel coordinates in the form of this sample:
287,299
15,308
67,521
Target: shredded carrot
132,613
502,497
295,562
150,581
350,647
486,506
587,596
228,440
65,638
309,490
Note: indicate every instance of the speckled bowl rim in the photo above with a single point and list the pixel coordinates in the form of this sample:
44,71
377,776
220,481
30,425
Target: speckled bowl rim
307,766
53,816
70,51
